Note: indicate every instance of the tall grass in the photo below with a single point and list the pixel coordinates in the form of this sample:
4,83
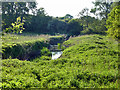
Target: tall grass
10,38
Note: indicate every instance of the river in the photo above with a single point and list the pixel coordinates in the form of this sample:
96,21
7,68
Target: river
56,55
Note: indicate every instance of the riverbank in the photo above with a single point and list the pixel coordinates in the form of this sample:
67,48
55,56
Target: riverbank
26,47
89,61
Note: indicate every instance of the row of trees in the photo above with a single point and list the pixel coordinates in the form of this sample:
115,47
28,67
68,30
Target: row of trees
38,21
13,10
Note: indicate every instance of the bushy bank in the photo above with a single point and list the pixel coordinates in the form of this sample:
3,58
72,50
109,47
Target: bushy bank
28,50
54,40
24,47
87,62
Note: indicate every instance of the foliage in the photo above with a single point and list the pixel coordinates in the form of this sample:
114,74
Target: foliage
12,10
54,40
57,26
101,9
45,51
41,58
115,4
24,45
17,27
66,18
26,50
113,23
89,43
59,46
84,12
74,27
90,61
38,23
91,25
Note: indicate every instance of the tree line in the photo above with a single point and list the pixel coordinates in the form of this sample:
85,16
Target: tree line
106,19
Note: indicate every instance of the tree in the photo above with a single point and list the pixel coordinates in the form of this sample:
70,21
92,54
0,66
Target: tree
88,22
84,15
66,18
41,11
57,26
16,27
113,23
92,25
84,12
115,4
39,22
12,10
74,27
33,7
101,8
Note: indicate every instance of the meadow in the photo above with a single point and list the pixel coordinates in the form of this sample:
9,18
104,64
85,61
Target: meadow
27,37
88,61
88,42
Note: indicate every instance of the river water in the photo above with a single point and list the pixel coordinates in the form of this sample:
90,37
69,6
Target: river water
56,55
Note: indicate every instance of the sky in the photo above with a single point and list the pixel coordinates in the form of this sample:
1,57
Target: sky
59,8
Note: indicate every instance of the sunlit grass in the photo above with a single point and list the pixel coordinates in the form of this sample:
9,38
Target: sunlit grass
88,61
10,38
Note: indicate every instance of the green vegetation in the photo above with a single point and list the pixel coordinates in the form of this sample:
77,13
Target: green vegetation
89,58
54,40
19,39
98,51
40,22
24,47
113,23
16,27
88,62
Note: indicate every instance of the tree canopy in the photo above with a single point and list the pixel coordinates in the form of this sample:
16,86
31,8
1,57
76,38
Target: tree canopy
101,8
40,22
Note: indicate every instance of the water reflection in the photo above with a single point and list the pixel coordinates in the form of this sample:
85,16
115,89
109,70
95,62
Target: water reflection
56,55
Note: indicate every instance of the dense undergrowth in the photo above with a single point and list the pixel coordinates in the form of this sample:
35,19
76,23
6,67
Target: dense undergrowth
22,47
89,61
26,46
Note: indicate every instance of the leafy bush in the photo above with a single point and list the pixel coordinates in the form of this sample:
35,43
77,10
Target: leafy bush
24,50
91,62
45,52
113,23
74,27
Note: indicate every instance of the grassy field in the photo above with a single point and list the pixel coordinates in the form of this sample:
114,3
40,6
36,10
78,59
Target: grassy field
10,38
89,61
